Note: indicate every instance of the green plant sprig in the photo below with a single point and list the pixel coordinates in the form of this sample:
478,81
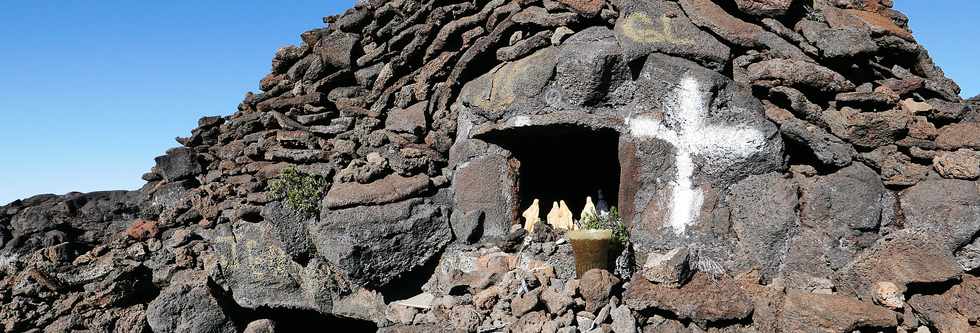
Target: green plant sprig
300,191
611,221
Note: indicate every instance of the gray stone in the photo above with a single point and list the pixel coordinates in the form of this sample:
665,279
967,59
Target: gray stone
409,120
178,163
646,27
190,308
513,83
589,64
337,49
526,303
649,161
468,227
487,184
851,197
763,231
802,75
555,300
259,273
671,268
703,300
828,149
386,190
710,16
290,230
374,245
806,312
622,320
767,8
904,257
949,209
844,43
261,326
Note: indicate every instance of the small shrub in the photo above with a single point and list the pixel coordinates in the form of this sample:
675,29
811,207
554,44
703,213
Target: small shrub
300,191
611,221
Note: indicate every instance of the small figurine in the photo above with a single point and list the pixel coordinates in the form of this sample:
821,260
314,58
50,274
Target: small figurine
554,216
601,204
532,216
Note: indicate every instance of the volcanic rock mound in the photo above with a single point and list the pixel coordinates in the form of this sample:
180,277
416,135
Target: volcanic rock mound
788,166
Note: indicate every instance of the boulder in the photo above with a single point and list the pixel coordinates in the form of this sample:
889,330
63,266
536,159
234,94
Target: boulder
190,308
702,300
596,287
799,74
261,326
374,245
869,129
962,135
338,49
386,190
952,311
765,8
622,320
526,303
961,164
646,27
179,163
807,312
763,231
289,230
487,184
495,92
670,269
902,258
589,8
709,15
851,198
589,64
408,120
828,149
945,208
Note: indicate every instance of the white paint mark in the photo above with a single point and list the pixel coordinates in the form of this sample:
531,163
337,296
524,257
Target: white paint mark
687,131
521,121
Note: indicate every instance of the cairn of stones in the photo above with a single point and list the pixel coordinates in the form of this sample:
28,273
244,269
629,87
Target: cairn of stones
781,166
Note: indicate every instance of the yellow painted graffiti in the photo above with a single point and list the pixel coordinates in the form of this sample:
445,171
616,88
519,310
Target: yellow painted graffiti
639,26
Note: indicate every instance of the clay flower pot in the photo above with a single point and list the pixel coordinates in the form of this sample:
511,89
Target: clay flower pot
591,249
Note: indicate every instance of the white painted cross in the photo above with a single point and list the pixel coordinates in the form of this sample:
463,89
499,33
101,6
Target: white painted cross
685,128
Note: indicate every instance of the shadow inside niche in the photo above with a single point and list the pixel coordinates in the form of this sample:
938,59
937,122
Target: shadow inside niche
287,320
563,162
306,320
410,283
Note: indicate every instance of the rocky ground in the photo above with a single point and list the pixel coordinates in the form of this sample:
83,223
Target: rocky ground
860,210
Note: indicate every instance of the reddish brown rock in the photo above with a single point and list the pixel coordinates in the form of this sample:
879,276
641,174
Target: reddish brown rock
767,8
387,190
589,8
807,312
709,15
142,230
798,74
961,164
702,300
901,258
409,120
596,287
952,311
956,136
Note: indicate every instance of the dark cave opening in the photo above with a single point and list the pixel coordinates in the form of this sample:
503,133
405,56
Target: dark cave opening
563,162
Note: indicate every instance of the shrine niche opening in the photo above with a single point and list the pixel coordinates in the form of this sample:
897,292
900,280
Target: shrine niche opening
563,162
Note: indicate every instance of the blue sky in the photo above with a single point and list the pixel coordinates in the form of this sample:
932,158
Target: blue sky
93,90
